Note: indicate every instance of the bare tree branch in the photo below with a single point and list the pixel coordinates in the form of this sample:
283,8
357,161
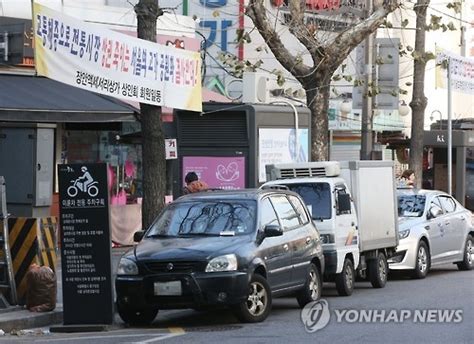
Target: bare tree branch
300,31
349,39
257,12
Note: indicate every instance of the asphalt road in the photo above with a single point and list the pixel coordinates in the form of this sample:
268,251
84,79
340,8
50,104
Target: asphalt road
445,288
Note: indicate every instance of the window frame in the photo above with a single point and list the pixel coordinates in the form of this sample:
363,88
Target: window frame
285,229
303,221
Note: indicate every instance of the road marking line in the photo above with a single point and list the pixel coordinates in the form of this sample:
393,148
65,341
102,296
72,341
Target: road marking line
153,340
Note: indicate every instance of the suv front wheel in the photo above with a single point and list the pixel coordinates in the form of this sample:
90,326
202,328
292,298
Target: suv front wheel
312,288
258,303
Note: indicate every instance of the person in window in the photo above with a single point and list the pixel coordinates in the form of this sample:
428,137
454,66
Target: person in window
193,184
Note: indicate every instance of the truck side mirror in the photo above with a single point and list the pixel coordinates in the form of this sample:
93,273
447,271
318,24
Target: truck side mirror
138,236
343,203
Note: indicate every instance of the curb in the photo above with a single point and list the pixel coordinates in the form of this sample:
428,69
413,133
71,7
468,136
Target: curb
24,319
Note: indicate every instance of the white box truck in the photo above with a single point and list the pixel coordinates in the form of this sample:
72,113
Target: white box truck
354,206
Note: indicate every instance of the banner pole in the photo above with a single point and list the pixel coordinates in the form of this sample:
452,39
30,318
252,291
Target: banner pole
33,39
450,138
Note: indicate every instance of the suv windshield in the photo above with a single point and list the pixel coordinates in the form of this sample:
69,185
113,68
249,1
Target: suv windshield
411,205
317,197
229,217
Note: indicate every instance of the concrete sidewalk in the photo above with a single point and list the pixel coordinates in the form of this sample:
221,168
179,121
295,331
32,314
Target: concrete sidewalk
19,318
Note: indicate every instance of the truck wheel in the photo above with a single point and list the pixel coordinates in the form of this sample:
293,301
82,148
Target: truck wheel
468,257
345,279
378,271
258,303
423,261
312,288
134,317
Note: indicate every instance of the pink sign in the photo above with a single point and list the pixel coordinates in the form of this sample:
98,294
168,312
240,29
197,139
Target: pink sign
218,172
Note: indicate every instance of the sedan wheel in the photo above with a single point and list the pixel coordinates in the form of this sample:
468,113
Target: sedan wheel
312,288
423,261
468,256
258,303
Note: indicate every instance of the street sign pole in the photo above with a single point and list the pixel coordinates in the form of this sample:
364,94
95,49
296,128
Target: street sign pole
450,132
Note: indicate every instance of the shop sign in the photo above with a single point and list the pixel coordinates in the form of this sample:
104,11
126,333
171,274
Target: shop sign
171,149
277,145
85,244
226,173
96,59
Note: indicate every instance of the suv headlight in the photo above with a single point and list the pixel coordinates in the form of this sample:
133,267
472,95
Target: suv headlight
222,263
127,267
403,234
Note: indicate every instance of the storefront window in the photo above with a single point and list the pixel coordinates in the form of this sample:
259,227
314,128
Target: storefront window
125,168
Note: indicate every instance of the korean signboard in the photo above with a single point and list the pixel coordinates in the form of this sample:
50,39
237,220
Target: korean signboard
218,172
104,61
85,243
171,149
277,146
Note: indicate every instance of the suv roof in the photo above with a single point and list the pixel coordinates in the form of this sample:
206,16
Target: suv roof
234,194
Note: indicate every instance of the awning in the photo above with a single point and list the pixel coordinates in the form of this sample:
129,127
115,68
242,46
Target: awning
26,98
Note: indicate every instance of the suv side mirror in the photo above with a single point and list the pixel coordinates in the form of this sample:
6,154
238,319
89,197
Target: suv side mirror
272,231
343,203
138,236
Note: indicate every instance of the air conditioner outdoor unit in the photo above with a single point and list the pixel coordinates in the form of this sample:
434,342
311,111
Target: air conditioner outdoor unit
255,88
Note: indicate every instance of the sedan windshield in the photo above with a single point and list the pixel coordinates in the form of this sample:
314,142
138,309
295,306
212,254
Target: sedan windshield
411,205
226,218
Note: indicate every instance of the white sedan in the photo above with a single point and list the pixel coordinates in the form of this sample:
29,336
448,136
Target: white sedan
434,229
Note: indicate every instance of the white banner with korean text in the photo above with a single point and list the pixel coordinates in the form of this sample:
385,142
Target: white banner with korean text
100,60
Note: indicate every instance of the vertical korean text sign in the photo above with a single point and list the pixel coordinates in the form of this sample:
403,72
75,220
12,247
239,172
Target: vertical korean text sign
85,244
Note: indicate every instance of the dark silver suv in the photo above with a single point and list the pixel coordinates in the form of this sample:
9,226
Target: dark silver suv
232,248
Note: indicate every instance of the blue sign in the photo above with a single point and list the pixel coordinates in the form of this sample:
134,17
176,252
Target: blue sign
213,3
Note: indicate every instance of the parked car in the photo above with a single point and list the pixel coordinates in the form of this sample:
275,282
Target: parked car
434,229
233,248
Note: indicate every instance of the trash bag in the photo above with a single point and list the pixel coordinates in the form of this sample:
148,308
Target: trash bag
41,289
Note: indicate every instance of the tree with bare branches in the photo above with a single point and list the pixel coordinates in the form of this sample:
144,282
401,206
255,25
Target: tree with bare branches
327,53
153,140
419,101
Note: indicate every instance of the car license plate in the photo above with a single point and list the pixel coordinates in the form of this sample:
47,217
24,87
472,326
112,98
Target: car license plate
171,288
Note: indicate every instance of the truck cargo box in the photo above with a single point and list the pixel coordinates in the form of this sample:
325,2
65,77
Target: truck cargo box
372,185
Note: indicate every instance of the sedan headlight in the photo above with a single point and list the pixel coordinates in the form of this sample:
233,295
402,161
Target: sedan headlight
403,234
127,267
222,263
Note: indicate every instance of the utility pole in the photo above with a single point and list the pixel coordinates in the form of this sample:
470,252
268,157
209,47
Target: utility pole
366,145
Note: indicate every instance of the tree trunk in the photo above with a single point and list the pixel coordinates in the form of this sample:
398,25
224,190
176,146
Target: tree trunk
419,100
153,143
317,99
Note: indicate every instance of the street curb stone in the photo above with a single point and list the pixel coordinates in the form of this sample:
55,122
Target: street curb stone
24,319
